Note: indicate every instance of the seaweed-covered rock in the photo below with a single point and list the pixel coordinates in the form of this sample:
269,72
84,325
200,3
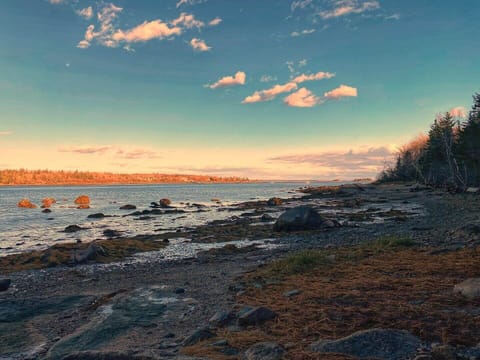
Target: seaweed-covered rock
302,218
90,253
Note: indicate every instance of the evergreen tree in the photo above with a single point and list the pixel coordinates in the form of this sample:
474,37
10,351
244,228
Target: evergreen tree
469,143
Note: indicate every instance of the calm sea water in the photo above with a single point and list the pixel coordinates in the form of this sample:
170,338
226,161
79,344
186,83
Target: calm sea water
30,229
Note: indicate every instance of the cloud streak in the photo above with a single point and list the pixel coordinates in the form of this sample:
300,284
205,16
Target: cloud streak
199,45
270,94
341,91
86,149
347,7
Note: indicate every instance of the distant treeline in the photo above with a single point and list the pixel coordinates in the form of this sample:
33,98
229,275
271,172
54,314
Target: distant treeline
47,177
449,156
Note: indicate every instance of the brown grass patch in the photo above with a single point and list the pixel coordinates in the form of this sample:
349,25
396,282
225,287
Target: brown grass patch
363,288
61,254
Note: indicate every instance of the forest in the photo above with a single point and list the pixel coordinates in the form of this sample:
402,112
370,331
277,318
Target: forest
447,157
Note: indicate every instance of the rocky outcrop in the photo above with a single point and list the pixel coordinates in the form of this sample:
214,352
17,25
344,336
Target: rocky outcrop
96,216
197,336
26,204
275,201
73,228
82,200
90,253
265,351
302,218
128,207
384,344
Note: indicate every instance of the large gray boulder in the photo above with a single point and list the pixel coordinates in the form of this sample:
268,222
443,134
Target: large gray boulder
301,218
256,316
384,344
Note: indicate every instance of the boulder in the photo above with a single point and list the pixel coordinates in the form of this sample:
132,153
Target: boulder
47,202
469,288
197,336
96,216
82,200
73,228
385,344
165,203
5,284
128,207
473,190
265,351
46,211
90,253
275,201
109,233
26,204
256,316
221,318
302,218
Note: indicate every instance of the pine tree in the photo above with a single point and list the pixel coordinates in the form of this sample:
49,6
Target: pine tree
469,143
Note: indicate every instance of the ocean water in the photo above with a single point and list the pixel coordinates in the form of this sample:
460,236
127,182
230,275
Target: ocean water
30,229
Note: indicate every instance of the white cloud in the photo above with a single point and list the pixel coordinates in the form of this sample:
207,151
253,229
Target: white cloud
302,98
86,13
215,21
303,32
347,7
238,79
458,111
146,31
268,78
188,21
312,77
83,44
269,94
199,45
341,91
189,2
55,2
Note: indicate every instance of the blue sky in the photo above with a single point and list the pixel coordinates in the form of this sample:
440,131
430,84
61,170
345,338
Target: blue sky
267,89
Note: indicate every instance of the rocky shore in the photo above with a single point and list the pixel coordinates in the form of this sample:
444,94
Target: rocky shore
323,280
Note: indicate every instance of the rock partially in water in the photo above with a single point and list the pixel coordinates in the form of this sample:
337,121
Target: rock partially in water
256,316
302,218
73,228
165,203
275,201
128,207
46,211
5,284
26,204
387,344
96,216
47,202
111,233
265,351
469,288
82,200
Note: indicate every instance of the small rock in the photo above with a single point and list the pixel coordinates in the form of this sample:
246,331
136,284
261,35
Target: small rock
83,207
222,342
81,256
26,204
47,202
385,344
73,228
96,216
473,190
221,318
470,288
5,284
82,200
197,336
46,211
256,316
267,218
165,203
291,293
265,351
275,201
179,290
111,233
128,207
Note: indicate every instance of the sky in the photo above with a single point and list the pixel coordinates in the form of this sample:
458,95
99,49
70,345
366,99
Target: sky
266,89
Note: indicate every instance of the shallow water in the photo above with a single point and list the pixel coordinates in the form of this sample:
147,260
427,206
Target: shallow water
30,229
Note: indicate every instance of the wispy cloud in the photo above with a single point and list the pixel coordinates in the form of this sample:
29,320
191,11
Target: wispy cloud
199,45
342,91
86,13
215,21
302,98
270,94
55,2
136,154
189,2
268,78
188,21
313,77
300,4
227,81
303,32
347,7
5,133
86,149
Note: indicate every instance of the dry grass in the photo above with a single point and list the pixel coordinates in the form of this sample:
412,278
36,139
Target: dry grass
387,284
116,249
